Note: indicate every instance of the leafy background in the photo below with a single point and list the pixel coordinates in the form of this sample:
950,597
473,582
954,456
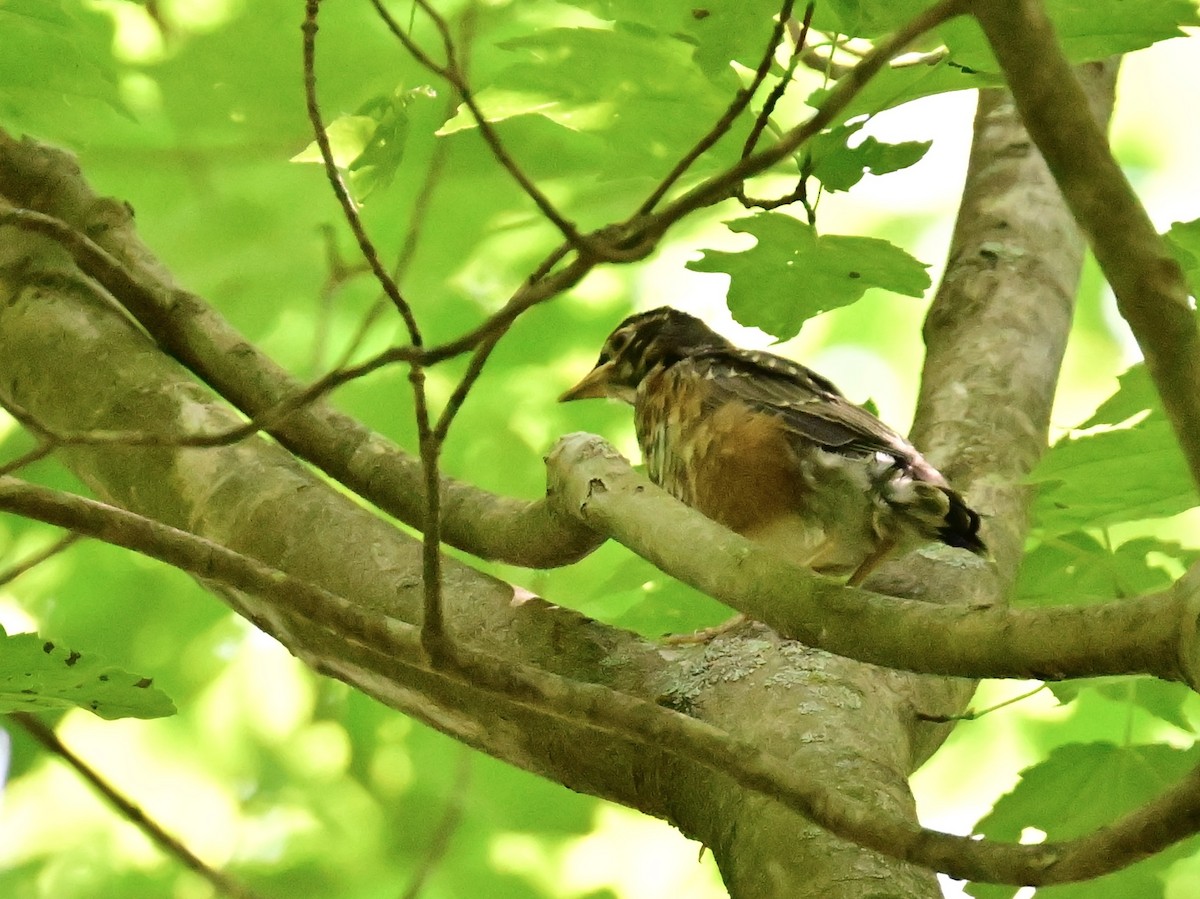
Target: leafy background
193,112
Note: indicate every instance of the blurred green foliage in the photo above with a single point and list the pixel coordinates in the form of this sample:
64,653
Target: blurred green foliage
193,113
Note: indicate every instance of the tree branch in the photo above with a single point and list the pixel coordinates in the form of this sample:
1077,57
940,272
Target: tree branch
484,524
1151,292
1152,634
391,646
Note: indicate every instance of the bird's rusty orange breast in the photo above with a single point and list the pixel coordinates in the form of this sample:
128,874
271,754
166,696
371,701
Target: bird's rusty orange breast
732,464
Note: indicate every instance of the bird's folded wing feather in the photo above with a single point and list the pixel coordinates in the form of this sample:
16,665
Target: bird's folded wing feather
811,407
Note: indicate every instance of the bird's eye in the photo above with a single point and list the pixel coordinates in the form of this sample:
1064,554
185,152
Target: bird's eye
618,342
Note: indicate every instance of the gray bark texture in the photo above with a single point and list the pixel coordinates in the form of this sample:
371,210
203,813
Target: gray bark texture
75,361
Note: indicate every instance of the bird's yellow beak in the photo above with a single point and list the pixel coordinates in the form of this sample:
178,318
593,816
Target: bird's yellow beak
594,384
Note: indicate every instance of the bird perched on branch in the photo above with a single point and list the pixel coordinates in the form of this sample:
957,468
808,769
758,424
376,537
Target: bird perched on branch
773,450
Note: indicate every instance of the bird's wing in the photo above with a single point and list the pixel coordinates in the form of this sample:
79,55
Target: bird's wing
810,406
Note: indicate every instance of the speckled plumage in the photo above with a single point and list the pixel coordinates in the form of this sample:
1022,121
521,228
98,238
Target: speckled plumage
773,450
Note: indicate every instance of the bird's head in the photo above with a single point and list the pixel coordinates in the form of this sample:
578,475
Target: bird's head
660,337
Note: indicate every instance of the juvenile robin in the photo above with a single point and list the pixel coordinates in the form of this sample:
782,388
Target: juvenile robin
773,450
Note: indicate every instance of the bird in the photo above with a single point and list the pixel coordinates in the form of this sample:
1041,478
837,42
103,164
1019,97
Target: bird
772,450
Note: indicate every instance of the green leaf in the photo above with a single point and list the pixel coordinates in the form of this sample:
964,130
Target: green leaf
792,274
1076,567
348,136
873,18
639,91
369,145
638,596
1086,30
1081,787
719,31
1184,240
1130,470
840,166
37,675
733,30
1115,780
1159,698
894,87
55,55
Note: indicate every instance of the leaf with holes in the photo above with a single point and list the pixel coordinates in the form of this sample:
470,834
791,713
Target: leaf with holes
38,675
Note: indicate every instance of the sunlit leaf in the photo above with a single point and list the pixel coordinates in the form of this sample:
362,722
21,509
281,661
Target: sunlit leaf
1087,30
792,274
1132,469
38,675
733,30
719,32
639,91
1158,697
1078,568
348,136
1079,788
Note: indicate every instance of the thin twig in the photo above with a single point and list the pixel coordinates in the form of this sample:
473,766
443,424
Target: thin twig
349,208
740,101
60,545
724,185
218,880
39,452
430,447
443,831
412,236
453,75
337,273
975,715
800,193
777,92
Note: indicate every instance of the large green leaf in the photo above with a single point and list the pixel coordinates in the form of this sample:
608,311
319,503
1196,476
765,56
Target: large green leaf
1130,469
792,274
1160,698
57,53
38,675
1078,568
719,32
1081,787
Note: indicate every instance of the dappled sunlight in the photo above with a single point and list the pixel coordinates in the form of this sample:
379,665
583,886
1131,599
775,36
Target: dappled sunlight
191,113
655,860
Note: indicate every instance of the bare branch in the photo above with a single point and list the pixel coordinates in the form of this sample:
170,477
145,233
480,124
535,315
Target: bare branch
218,880
740,101
349,208
1151,292
390,643
1152,634
62,544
